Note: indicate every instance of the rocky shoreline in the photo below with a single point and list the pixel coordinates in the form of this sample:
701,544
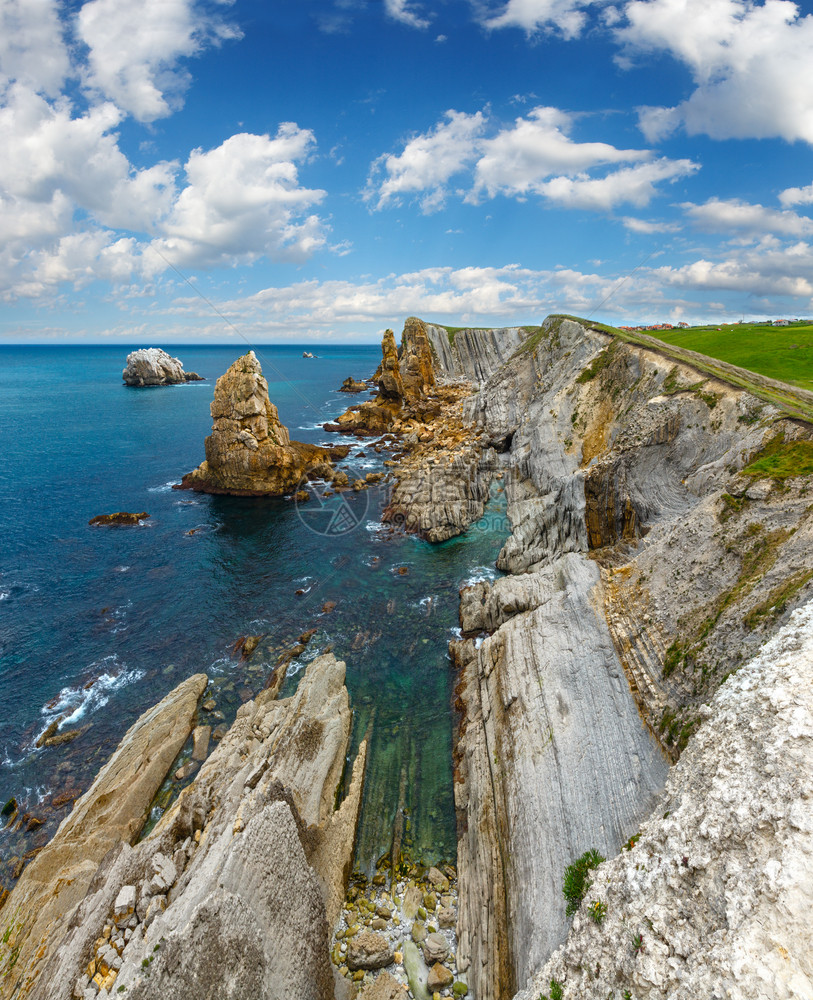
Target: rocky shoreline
613,688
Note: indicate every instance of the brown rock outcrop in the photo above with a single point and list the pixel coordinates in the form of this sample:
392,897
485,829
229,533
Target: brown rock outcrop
120,517
352,385
390,383
415,359
406,383
110,812
249,452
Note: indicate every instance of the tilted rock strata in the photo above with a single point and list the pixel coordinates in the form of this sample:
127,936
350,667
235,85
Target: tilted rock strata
43,903
618,461
553,760
474,354
152,366
249,452
617,451
714,899
233,892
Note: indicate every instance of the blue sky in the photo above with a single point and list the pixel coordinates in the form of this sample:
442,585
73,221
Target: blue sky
310,170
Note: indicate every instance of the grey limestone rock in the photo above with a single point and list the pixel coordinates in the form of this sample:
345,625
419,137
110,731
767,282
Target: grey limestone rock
248,913
555,760
152,366
714,899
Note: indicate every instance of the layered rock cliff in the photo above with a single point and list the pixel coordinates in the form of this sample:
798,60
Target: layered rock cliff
713,900
472,353
39,910
649,556
152,366
249,452
234,892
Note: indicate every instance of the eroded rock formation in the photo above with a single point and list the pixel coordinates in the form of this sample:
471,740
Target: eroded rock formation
649,559
152,366
233,893
44,902
713,900
249,452
407,397
351,384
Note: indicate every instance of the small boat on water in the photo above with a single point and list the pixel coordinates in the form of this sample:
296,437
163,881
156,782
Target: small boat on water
307,354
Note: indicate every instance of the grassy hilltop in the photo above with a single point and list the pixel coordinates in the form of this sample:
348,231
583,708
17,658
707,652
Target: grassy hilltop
780,352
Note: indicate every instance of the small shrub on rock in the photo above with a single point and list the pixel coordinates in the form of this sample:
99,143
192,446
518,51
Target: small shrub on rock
577,879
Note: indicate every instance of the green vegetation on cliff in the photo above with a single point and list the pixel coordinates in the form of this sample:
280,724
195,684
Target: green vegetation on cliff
781,459
786,397
780,352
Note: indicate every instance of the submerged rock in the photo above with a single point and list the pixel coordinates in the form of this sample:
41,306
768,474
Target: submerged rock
249,452
120,517
152,366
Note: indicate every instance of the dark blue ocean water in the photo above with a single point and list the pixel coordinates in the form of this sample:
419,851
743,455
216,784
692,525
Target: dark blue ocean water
96,624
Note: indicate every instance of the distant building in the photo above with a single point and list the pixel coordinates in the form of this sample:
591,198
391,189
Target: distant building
781,322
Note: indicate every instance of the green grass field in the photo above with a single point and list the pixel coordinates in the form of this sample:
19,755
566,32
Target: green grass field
781,352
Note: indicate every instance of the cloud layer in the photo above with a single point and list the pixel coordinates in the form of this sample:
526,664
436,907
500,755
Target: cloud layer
534,156
73,208
750,64
568,17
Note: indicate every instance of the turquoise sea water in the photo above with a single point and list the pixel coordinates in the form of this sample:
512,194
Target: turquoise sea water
96,624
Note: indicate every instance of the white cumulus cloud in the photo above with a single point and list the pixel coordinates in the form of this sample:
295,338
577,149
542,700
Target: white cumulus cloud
765,272
135,49
401,10
517,160
532,156
32,47
70,196
243,200
566,16
732,215
428,161
797,195
750,63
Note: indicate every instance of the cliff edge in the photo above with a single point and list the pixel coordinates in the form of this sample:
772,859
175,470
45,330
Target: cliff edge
713,899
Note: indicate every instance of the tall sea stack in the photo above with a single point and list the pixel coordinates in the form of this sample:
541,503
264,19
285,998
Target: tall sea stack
249,452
